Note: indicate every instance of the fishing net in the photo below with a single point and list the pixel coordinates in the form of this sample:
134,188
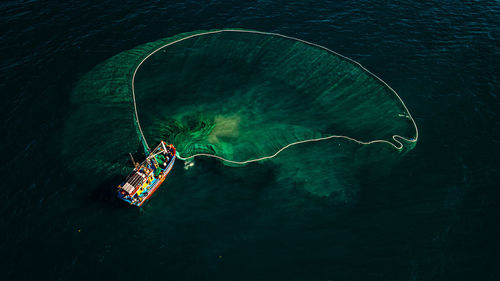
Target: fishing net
239,96
246,95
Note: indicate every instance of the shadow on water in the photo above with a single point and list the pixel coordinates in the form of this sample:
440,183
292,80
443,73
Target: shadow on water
105,193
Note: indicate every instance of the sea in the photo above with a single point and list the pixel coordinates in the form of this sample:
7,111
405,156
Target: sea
434,215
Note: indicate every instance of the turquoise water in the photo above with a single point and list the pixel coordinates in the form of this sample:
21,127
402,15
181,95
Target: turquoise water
430,214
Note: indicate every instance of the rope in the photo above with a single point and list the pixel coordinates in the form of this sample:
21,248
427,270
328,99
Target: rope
399,145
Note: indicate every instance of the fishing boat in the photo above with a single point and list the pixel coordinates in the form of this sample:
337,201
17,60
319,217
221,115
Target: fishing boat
146,177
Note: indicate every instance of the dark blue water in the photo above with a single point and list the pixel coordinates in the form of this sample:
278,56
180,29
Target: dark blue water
434,216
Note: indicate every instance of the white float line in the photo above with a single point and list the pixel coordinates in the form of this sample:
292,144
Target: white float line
285,147
394,137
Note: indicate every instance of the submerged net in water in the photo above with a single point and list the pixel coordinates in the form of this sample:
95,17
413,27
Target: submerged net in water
236,95
244,96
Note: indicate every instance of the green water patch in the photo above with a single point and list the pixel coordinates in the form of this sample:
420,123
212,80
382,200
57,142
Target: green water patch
240,96
245,95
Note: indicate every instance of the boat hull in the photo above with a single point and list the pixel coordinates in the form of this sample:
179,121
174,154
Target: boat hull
158,182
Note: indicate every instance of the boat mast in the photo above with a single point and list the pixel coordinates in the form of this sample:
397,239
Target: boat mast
132,158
